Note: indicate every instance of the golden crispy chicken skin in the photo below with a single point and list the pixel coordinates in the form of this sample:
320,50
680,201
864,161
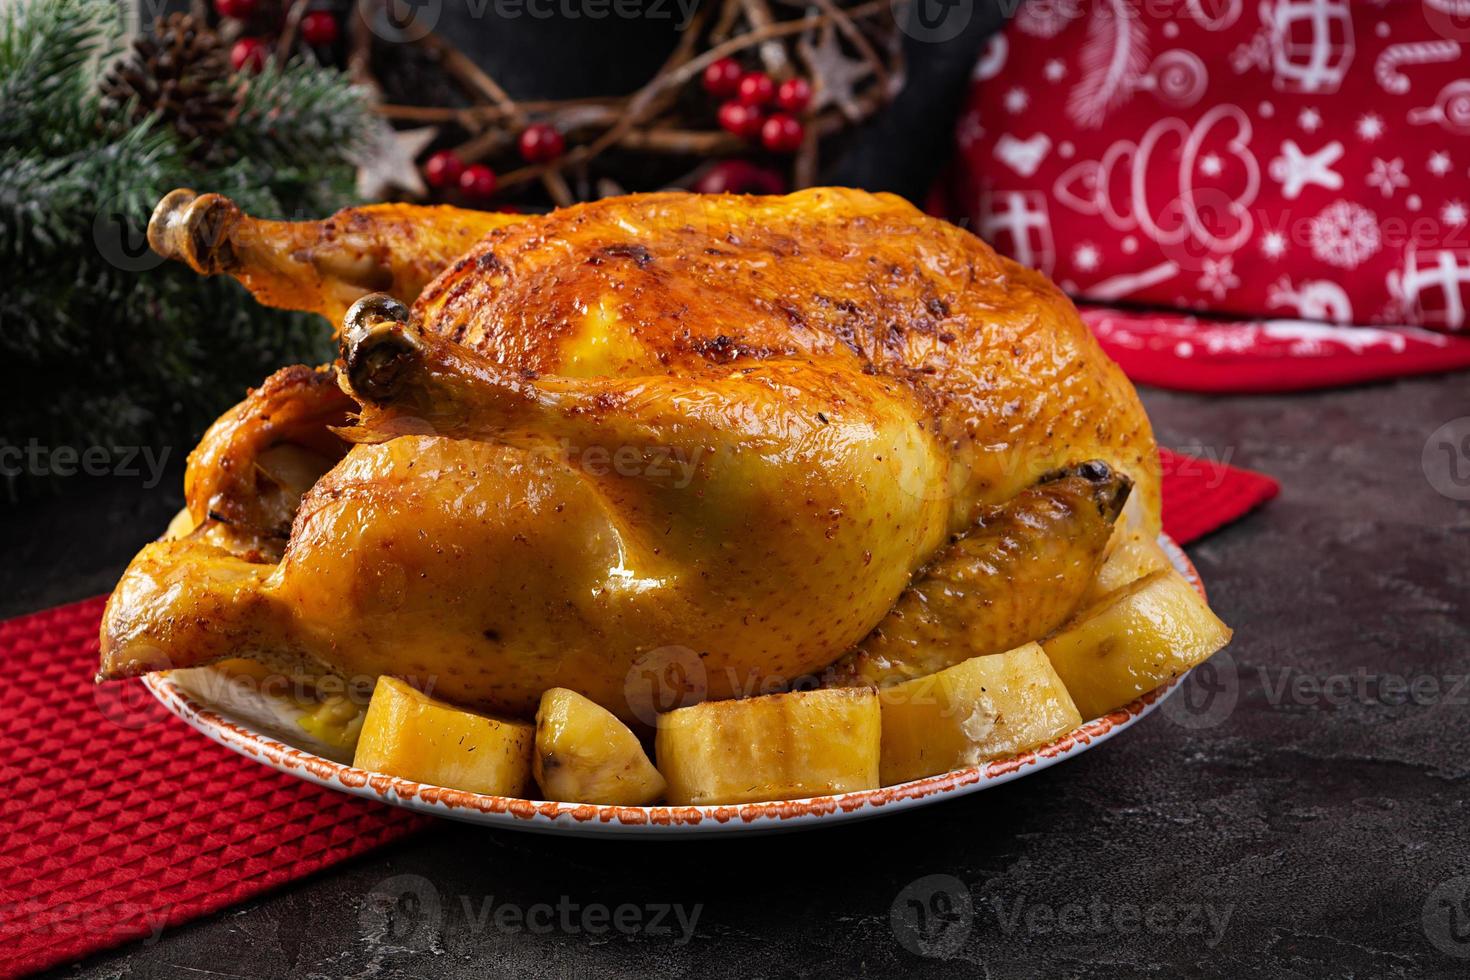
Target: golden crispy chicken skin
733,426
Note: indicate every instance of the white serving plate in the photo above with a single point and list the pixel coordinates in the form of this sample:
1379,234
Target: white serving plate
276,746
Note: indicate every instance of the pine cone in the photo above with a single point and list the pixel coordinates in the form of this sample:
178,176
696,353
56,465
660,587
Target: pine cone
178,71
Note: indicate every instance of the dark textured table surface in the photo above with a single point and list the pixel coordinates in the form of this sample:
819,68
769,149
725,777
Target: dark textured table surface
1293,813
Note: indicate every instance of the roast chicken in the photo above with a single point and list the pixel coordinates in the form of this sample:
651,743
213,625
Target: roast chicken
812,439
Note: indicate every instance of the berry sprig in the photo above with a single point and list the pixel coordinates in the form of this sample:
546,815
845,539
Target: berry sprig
756,108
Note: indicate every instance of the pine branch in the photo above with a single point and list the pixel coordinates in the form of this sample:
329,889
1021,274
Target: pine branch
48,49
301,112
108,348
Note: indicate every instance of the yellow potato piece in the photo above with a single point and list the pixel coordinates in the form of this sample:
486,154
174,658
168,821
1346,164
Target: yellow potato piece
336,720
984,708
1133,641
1135,556
777,747
585,755
407,733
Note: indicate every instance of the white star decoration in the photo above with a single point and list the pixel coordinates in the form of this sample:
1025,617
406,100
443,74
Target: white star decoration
1017,100
1273,244
1439,163
1370,126
387,164
1310,120
1453,213
1055,70
1085,257
1210,165
836,76
1388,175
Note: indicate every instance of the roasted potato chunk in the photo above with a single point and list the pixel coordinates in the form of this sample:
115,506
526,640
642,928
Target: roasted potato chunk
408,734
585,755
1136,555
985,708
777,747
1132,641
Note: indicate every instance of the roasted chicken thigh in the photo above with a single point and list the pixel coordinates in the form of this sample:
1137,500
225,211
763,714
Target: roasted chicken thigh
820,435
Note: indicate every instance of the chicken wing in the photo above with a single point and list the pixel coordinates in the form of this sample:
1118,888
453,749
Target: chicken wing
1014,577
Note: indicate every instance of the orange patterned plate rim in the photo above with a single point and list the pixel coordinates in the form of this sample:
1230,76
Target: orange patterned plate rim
583,819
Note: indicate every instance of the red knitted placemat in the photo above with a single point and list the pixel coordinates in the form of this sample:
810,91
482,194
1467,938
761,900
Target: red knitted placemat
120,820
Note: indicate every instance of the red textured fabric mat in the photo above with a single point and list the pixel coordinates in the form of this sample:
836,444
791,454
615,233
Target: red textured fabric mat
1201,496
120,821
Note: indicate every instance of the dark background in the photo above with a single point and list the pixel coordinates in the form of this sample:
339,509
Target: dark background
1326,831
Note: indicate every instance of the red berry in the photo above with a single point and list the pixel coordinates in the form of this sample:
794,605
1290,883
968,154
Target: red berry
739,177
782,133
756,88
477,181
443,169
741,119
794,94
541,143
249,54
319,28
722,77
238,9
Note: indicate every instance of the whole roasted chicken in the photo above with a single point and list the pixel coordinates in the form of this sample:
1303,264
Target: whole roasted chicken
814,436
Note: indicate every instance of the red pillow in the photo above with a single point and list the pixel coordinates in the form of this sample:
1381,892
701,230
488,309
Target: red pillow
1284,158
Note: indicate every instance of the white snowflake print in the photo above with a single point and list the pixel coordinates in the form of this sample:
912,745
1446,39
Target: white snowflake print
1218,277
1210,165
1273,244
1454,213
1085,257
1370,126
1345,235
1310,120
1017,100
1055,70
1439,163
1388,175
969,132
